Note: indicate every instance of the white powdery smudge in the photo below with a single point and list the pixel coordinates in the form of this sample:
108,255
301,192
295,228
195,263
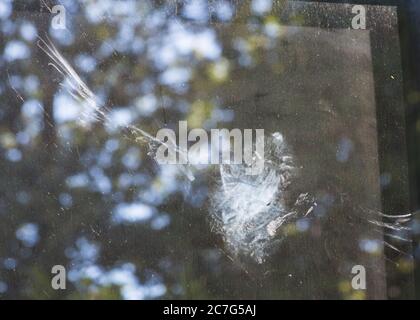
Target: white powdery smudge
248,210
93,110
74,85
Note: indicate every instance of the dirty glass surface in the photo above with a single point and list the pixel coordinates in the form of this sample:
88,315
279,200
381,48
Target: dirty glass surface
85,88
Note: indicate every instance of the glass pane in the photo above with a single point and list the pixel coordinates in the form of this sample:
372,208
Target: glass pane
285,123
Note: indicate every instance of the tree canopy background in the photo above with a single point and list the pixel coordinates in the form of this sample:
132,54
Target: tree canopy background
89,197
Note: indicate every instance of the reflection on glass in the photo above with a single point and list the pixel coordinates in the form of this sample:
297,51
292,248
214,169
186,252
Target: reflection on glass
80,109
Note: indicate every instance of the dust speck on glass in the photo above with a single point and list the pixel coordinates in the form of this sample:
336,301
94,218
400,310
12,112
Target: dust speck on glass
203,149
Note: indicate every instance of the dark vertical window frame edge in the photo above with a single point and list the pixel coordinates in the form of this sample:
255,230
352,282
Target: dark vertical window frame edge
410,48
